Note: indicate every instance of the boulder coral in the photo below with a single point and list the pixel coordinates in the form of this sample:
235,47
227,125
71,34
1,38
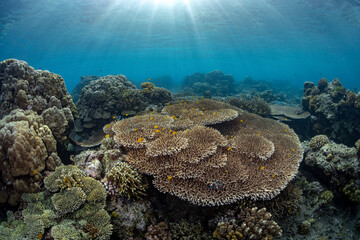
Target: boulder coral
113,96
212,154
23,87
27,154
336,164
334,110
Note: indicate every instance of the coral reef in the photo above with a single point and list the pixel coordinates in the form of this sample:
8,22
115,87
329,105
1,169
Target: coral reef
334,110
72,212
27,154
216,83
124,181
131,219
155,95
240,155
188,230
251,223
104,98
336,164
158,232
114,97
251,104
84,80
22,87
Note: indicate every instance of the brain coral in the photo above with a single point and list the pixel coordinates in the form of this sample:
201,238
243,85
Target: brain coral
27,150
22,87
219,159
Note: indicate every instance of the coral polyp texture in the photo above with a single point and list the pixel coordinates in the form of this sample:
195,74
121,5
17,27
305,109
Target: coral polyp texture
23,87
27,152
220,155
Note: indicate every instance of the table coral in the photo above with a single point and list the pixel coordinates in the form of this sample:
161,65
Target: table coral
23,87
229,156
27,153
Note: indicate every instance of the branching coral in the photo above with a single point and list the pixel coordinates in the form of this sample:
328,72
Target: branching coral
125,181
240,155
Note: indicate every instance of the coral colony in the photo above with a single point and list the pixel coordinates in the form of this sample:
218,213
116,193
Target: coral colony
174,166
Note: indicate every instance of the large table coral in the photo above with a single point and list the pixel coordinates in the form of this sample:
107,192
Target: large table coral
210,154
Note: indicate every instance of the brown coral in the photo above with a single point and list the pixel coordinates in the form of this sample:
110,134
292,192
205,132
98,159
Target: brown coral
23,87
27,149
247,157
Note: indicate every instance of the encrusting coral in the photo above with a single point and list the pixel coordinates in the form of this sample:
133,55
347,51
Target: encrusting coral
228,156
27,153
23,87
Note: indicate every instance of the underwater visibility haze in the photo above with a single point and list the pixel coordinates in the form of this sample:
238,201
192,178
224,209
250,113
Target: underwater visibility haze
295,41
179,119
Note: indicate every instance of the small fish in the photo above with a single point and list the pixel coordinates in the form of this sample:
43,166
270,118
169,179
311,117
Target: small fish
156,126
262,168
214,113
107,135
174,133
107,126
293,150
163,129
157,130
134,129
151,118
259,134
140,140
273,176
39,236
229,149
35,171
231,136
169,177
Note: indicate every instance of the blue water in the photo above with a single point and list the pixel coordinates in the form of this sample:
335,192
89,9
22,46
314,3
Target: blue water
291,40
